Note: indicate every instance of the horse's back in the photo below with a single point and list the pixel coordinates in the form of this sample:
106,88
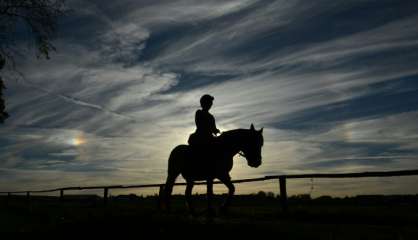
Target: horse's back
197,163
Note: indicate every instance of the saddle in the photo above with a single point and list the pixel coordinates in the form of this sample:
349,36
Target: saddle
203,146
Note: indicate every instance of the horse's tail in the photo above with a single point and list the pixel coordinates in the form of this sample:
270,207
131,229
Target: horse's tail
175,165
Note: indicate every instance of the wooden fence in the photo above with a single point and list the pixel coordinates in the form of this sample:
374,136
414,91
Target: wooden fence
282,183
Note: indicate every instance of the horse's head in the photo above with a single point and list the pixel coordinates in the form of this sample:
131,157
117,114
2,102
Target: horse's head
252,147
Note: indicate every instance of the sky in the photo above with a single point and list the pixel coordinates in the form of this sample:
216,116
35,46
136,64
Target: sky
333,83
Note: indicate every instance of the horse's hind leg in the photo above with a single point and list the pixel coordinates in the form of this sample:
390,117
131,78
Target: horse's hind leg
231,191
188,193
168,189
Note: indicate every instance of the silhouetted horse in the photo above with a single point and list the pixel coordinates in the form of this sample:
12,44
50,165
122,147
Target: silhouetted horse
195,165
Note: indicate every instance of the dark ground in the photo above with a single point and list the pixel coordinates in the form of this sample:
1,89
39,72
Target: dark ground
362,217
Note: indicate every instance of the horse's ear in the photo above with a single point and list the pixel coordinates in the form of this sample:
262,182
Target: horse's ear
261,130
252,127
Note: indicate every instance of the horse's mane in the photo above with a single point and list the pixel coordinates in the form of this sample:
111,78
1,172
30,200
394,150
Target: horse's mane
239,133
233,131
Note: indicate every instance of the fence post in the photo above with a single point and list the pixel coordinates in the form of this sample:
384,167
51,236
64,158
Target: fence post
28,200
283,193
61,195
105,195
8,198
160,196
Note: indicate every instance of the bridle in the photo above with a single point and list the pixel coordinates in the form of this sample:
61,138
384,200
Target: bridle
242,154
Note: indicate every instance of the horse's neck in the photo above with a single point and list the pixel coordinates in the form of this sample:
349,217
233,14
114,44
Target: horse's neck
233,140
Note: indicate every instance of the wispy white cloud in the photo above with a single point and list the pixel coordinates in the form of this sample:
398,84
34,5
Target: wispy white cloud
186,11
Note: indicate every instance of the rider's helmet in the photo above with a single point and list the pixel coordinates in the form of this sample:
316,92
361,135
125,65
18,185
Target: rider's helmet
206,100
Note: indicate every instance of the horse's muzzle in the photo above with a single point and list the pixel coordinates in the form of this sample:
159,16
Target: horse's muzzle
254,164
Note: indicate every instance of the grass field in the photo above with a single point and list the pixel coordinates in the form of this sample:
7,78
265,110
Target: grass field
364,217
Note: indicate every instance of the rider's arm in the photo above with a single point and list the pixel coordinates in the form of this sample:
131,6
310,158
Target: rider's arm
214,129
197,119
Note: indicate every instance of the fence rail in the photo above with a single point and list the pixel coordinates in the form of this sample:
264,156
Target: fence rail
282,183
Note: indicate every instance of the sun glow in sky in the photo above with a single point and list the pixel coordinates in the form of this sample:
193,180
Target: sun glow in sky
77,141
333,84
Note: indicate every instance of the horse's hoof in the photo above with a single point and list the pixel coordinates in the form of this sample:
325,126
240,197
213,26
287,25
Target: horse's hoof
193,213
165,208
223,210
162,207
211,213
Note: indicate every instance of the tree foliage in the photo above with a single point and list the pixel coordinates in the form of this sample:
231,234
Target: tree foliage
32,22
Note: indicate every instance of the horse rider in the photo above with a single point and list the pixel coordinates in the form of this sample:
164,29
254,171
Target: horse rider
205,124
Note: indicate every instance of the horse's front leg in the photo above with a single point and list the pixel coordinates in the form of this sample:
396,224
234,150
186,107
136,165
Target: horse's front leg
231,190
211,210
188,193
